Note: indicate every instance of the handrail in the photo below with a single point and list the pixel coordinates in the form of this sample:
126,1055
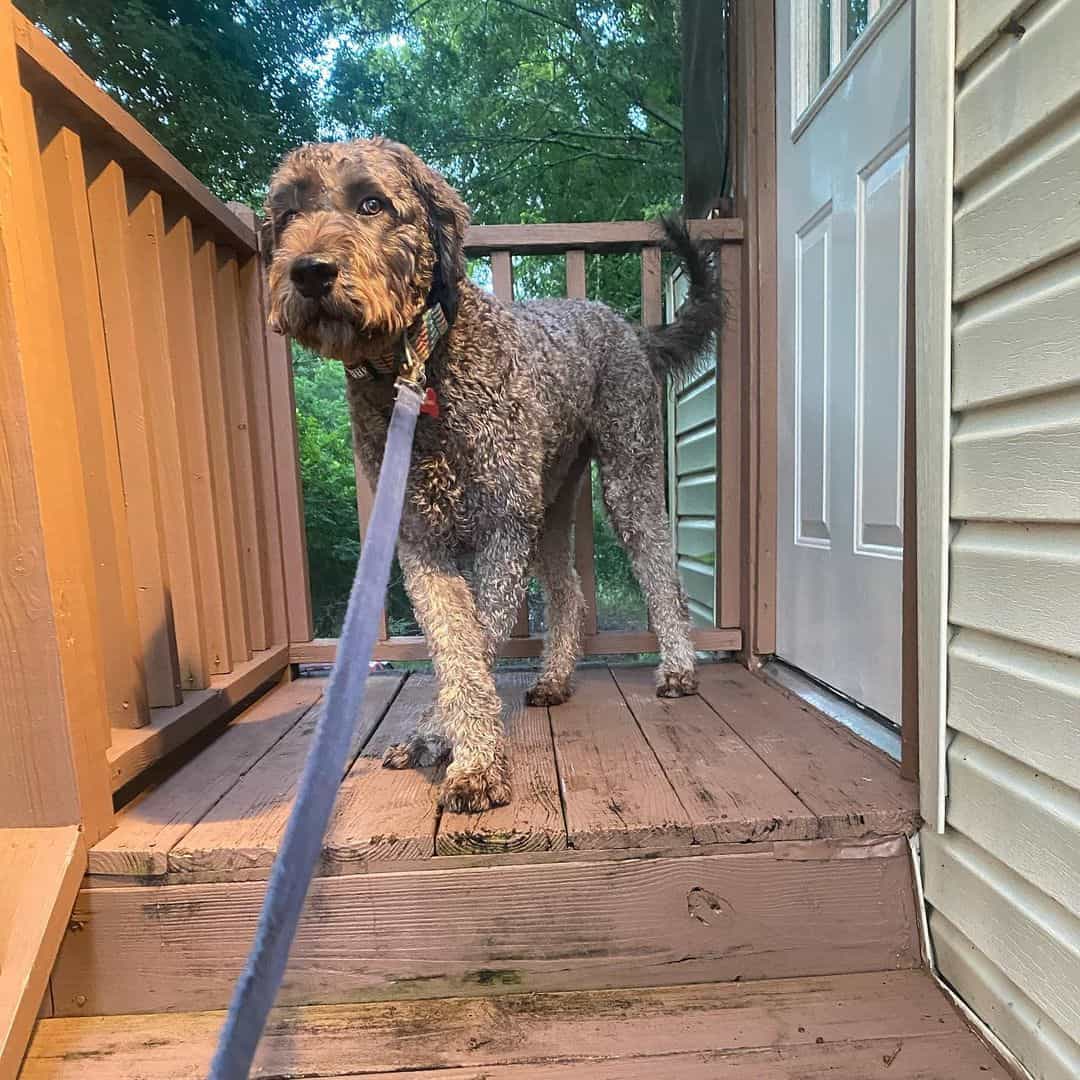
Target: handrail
53,74
595,237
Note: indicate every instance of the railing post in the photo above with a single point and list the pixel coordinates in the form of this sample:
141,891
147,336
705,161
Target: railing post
728,600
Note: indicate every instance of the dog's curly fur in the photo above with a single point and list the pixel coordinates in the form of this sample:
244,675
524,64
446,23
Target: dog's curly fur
527,393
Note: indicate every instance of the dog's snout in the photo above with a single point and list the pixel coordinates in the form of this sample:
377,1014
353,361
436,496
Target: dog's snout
313,276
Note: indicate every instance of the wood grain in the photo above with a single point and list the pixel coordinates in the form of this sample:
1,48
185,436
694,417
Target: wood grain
513,1029
134,751
148,828
183,323
615,792
592,236
500,929
386,813
244,828
204,278
42,868
852,791
652,299
534,819
728,792
134,429
77,278
234,362
179,524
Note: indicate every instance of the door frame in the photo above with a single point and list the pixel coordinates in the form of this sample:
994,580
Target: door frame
754,145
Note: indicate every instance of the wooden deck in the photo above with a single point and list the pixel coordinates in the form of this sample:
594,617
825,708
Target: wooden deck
615,769
893,1025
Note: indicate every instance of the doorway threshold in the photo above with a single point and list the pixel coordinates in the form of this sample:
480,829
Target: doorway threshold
867,724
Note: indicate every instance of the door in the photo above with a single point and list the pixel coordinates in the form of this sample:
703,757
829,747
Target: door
843,99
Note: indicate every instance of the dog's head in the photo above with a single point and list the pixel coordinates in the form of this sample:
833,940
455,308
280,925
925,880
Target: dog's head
362,237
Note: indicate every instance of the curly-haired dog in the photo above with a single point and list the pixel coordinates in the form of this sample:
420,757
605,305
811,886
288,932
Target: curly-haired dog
366,239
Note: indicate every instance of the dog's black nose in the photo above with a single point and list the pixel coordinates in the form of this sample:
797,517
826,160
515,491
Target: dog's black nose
313,276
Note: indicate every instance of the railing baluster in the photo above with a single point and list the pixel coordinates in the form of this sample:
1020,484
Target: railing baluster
204,277
652,309
729,443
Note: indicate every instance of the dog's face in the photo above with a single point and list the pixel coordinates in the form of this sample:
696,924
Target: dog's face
361,235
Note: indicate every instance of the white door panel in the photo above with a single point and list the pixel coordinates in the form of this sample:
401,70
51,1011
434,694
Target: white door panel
842,226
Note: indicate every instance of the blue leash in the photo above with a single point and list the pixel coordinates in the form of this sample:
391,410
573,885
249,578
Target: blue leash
302,846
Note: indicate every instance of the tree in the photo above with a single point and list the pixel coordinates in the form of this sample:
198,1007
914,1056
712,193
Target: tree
226,85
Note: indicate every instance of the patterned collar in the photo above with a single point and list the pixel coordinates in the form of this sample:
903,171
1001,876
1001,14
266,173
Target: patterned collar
417,345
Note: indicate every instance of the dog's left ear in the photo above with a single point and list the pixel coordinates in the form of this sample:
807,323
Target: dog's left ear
266,237
449,217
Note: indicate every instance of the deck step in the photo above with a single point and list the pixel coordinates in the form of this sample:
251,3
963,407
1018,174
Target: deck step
897,1026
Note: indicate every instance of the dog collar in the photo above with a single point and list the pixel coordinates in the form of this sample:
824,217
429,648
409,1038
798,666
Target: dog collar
417,345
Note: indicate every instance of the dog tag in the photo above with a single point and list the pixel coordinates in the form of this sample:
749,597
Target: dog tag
430,406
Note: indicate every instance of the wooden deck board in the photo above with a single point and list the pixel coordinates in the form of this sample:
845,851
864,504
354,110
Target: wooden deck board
853,791
386,813
615,792
534,820
244,828
147,829
728,791
848,1022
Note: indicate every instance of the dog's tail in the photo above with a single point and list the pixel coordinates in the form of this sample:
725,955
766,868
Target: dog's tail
677,348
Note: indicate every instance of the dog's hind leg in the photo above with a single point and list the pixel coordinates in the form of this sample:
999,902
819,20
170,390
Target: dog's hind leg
565,602
630,452
468,708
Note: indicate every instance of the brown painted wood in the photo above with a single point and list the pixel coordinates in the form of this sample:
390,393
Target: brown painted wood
584,557
134,428
132,752
606,643
182,319
238,414
592,236
148,828
489,931
614,790
73,242
386,813
56,78
179,524
204,279
652,300
42,868
534,819
325,1040
729,414
728,792
253,323
244,828
853,790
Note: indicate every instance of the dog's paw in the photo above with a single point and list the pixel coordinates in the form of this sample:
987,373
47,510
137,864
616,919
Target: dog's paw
477,789
672,684
547,693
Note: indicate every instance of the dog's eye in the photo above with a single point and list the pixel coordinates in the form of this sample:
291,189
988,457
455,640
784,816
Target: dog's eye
284,219
370,206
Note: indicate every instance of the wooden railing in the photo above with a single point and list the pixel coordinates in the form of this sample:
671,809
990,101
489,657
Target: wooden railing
150,491
153,563
574,241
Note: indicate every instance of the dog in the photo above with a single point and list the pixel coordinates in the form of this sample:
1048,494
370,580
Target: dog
365,242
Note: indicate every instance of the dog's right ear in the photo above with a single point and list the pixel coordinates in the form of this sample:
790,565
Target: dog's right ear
266,237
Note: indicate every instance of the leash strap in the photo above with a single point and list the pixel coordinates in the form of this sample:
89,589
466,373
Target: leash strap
301,848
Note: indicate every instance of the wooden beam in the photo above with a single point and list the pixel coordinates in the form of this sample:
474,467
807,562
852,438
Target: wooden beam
605,643
592,236
55,77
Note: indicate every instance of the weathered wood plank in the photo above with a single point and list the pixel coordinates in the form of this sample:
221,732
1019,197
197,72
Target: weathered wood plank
616,794
42,868
386,813
534,820
245,827
516,1028
592,236
204,279
109,218
728,791
148,828
498,929
852,790
73,242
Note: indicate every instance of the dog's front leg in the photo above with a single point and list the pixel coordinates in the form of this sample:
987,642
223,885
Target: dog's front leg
468,706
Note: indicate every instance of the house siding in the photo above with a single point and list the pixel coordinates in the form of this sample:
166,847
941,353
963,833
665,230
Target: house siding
1003,878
